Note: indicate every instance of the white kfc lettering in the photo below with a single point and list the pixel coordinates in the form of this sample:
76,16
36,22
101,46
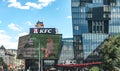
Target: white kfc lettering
41,31
45,31
49,31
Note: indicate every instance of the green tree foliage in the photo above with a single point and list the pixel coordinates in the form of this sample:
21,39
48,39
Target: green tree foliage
3,63
111,53
94,69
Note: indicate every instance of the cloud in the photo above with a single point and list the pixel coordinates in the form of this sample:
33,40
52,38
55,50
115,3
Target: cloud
9,42
41,4
6,40
28,23
69,17
21,34
2,32
14,27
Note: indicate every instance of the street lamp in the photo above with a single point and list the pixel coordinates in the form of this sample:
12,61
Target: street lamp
39,57
40,60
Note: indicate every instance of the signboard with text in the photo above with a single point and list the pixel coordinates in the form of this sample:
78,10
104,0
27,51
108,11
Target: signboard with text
42,31
47,63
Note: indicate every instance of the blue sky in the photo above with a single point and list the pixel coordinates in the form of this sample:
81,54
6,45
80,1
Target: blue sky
17,16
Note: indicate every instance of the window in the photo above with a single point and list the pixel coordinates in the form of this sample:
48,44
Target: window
75,4
118,3
106,8
82,9
82,3
90,9
97,27
112,3
106,15
97,1
78,55
76,27
76,21
89,16
76,0
80,48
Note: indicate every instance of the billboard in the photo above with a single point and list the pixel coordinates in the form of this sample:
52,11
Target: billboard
44,46
42,30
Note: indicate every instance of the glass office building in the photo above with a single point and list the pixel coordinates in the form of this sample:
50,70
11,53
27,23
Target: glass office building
93,21
66,48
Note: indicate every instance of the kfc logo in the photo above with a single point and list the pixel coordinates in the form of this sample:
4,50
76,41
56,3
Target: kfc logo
35,30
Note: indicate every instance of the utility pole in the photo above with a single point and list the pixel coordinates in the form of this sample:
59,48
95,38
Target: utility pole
39,57
41,62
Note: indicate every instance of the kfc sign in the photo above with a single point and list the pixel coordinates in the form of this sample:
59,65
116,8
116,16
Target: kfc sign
42,30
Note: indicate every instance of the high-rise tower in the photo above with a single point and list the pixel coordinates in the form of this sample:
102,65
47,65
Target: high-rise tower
93,21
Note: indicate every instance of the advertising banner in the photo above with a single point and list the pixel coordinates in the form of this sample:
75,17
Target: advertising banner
45,46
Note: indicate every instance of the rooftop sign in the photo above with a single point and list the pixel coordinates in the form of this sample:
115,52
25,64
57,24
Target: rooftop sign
42,31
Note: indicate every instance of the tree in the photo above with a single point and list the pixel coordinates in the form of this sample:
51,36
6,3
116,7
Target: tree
3,63
94,69
111,53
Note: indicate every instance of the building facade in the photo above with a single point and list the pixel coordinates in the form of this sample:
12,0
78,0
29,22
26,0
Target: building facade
13,61
93,21
2,54
40,48
9,57
66,48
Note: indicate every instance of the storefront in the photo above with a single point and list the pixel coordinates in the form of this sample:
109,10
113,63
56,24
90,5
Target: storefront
40,49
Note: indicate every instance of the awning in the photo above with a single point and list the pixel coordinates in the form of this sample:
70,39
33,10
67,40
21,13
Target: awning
75,65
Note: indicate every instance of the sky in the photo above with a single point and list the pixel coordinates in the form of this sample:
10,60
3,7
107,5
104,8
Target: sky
18,16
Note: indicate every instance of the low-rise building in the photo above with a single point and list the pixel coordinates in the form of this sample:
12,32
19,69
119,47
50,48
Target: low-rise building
9,57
